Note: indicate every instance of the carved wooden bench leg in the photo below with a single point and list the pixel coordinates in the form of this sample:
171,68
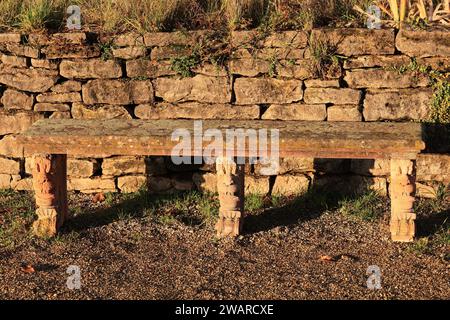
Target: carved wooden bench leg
403,178
50,186
230,186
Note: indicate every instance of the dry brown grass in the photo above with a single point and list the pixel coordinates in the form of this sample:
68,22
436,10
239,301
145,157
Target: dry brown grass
166,15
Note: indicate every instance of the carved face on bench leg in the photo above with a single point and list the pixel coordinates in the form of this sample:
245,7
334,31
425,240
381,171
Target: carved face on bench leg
50,186
402,189
230,186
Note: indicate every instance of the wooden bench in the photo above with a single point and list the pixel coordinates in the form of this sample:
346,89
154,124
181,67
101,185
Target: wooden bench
51,141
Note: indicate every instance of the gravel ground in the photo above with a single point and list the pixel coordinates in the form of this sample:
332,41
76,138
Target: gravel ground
281,256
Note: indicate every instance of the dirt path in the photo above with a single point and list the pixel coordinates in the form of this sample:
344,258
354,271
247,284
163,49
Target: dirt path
138,260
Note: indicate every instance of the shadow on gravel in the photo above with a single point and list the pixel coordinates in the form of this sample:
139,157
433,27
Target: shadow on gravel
310,205
325,194
432,222
135,206
432,215
307,206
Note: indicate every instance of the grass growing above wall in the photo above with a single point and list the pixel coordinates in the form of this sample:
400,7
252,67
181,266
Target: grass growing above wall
166,15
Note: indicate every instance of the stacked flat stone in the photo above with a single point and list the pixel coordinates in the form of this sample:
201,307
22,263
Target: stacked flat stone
68,75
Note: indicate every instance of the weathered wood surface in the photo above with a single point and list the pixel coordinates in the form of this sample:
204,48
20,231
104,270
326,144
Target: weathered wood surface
297,138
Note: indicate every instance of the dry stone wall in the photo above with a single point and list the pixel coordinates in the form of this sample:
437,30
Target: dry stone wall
325,75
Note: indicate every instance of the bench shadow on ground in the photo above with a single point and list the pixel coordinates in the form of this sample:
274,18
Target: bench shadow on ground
294,210
433,222
432,216
138,205
309,205
299,209
322,196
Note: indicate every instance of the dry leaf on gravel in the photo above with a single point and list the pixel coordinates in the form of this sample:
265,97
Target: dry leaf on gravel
327,258
27,268
348,257
99,198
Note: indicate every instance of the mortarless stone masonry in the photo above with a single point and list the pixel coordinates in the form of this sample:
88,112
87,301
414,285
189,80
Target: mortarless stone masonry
65,76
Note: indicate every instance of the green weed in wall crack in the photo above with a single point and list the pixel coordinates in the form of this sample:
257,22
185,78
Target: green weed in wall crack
441,102
212,48
440,83
273,66
106,50
183,65
324,57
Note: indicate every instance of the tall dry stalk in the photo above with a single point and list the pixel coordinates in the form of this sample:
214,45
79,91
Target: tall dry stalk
427,11
393,5
403,7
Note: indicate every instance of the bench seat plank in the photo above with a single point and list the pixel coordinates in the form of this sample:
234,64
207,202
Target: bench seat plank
366,140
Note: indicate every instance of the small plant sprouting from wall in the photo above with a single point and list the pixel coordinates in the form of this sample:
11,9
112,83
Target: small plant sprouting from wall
273,65
212,48
106,50
440,83
323,57
440,107
183,65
